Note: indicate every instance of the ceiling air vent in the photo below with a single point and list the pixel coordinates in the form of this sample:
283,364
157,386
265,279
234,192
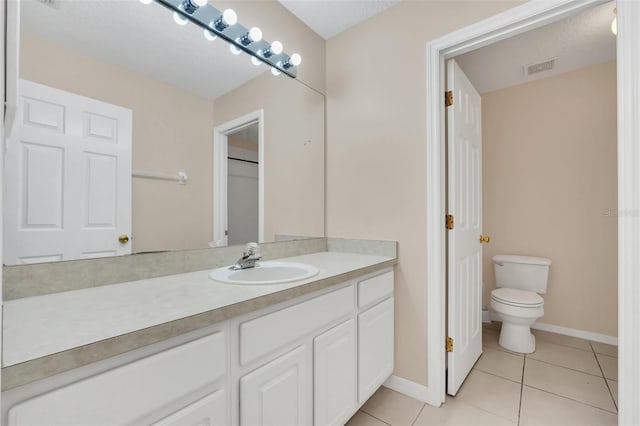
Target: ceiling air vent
539,67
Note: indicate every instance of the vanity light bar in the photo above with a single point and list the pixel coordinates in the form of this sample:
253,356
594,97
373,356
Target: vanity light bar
245,39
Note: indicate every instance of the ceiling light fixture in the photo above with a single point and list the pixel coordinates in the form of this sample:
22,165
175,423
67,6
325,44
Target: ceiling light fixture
614,23
225,25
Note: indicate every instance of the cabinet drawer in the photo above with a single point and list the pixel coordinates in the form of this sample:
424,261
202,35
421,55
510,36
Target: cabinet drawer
212,410
262,335
127,393
375,288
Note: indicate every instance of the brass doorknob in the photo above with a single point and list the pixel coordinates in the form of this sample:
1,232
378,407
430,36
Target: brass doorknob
124,239
484,239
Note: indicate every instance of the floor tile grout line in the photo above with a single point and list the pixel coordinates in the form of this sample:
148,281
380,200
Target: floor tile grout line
524,364
571,399
606,382
569,368
418,415
379,419
495,375
477,407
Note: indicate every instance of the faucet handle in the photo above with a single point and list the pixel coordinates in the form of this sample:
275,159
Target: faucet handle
252,248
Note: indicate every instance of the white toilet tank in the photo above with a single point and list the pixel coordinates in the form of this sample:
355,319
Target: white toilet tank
521,272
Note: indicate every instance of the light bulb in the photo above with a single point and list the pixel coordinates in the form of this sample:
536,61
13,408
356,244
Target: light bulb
191,6
229,16
255,34
209,35
146,1
295,60
275,71
275,49
614,26
255,61
234,49
179,19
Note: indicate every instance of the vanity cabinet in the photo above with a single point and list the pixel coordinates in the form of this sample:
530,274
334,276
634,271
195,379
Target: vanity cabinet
375,333
137,391
309,361
278,393
334,374
212,410
375,348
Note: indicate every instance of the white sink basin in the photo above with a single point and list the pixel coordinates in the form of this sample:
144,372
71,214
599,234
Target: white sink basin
270,272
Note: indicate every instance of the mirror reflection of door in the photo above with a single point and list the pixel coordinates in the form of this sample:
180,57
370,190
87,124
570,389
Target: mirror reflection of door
242,185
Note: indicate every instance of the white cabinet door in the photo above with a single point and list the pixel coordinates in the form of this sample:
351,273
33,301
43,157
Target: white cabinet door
278,393
375,348
334,375
212,410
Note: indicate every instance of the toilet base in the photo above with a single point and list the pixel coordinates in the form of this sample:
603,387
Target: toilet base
517,338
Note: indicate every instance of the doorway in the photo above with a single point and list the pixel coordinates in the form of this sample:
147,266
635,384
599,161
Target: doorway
546,173
516,21
242,185
238,181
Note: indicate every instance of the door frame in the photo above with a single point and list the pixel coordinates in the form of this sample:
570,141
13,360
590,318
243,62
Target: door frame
219,175
512,22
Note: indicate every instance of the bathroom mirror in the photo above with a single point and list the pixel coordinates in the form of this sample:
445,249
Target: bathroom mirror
129,125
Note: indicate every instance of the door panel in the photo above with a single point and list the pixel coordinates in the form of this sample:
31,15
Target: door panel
334,373
70,192
375,348
279,393
464,248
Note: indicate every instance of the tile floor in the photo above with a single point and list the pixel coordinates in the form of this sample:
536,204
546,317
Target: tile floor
566,381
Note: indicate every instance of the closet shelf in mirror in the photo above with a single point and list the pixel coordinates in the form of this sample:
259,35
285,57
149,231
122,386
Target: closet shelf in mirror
180,177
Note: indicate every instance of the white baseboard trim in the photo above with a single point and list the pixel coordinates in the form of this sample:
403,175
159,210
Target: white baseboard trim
582,334
573,332
408,388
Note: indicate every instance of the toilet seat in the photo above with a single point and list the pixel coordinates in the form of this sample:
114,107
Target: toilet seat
515,297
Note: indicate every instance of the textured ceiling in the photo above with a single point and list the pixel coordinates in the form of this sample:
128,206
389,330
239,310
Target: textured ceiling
143,39
576,42
330,17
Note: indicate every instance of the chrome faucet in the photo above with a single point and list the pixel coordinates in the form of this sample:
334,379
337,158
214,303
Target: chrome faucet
249,257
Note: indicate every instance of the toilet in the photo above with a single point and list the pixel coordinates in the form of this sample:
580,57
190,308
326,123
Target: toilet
516,300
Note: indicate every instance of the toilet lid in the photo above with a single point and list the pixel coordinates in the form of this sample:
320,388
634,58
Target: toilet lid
515,297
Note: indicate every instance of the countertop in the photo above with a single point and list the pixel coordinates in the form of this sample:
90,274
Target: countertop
74,323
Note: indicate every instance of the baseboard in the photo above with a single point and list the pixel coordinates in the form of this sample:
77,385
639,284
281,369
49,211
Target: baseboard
408,388
573,332
582,334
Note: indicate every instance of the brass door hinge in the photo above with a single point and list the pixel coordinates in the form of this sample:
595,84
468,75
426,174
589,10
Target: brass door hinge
449,221
449,344
448,98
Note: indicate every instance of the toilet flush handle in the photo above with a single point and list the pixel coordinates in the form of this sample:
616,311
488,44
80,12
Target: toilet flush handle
485,239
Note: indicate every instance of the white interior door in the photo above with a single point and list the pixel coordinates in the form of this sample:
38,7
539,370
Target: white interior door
464,248
68,195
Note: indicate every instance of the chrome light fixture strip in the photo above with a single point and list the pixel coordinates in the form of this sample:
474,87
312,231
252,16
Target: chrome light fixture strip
206,15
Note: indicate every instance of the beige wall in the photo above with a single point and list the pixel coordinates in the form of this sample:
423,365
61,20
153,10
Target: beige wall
161,210
376,156
549,158
294,151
